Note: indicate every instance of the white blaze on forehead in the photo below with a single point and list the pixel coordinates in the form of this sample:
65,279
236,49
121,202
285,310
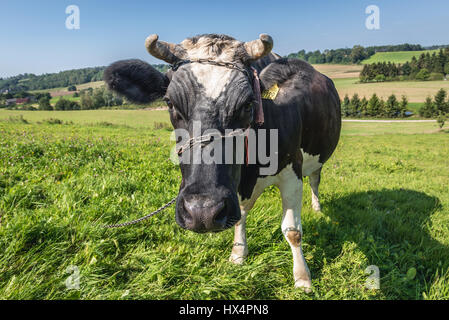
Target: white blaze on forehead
310,163
213,79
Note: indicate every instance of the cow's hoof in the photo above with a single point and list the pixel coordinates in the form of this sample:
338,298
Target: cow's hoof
305,285
237,259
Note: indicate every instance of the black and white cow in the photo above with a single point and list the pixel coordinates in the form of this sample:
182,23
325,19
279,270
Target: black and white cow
305,111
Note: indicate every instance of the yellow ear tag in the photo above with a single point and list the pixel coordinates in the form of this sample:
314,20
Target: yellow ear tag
271,93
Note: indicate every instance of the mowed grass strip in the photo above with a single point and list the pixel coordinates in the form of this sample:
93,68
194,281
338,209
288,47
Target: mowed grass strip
339,71
396,57
132,118
384,200
148,119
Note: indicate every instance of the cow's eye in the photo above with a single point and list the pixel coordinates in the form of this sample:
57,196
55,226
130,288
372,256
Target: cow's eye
169,103
248,107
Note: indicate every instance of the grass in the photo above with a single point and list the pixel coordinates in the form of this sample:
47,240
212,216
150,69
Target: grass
132,118
384,198
396,57
70,97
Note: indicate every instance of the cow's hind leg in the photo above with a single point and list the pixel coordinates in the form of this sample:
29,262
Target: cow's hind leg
291,191
314,180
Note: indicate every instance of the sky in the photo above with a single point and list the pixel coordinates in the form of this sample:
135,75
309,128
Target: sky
34,37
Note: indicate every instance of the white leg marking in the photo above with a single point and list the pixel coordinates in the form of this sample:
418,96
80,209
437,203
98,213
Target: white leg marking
240,248
314,180
291,192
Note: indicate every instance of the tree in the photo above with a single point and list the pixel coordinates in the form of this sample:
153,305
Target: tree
44,104
423,74
440,101
71,88
403,107
97,98
391,107
86,101
357,54
61,104
380,78
64,104
428,109
374,105
355,105
364,107
446,68
441,119
345,107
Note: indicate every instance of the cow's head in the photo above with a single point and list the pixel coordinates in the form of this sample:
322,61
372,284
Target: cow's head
217,97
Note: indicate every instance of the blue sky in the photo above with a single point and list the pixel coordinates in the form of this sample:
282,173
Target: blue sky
34,38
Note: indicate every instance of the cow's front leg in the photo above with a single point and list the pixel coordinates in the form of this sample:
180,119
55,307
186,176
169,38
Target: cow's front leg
240,247
291,191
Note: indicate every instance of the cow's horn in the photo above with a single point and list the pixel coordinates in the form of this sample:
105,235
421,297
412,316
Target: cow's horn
258,48
162,50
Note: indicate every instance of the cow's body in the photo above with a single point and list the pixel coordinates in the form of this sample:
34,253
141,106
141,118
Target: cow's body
305,111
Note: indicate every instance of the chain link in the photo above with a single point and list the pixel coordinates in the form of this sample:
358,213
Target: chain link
165,206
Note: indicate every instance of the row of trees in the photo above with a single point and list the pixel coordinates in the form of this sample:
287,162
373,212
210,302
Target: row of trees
436,107
27,81
426,67
374,107
348,55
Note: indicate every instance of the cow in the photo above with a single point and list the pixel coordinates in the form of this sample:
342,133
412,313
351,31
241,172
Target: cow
211,81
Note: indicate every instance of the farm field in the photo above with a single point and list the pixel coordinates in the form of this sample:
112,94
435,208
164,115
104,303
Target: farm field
384,203
62,91
396,57
416,91
339,71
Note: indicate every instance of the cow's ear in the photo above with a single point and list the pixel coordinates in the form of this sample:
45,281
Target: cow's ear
135,79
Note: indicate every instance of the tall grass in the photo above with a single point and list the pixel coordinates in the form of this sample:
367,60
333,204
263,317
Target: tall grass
384,203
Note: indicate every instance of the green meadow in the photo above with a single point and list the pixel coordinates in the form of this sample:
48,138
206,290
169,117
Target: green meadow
384,203
396,57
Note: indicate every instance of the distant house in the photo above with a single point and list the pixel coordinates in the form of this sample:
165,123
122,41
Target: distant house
22,100
13,101
10,102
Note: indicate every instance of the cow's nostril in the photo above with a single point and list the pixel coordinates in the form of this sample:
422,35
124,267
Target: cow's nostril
204,215
189,219
220,216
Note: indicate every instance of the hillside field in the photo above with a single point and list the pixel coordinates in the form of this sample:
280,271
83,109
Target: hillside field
416,91
384,203
62,91
396,57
